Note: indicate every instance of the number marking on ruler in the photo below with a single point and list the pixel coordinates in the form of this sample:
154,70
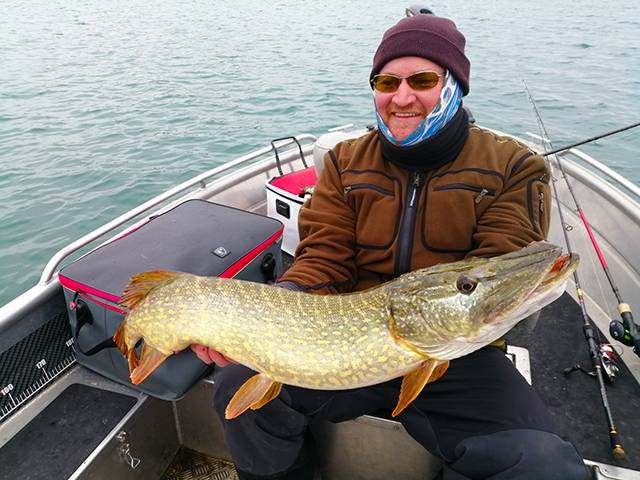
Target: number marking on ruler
37,386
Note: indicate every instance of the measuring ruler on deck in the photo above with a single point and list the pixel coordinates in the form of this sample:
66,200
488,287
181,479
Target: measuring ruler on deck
33,363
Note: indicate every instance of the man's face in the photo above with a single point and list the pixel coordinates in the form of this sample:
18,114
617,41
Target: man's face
404,109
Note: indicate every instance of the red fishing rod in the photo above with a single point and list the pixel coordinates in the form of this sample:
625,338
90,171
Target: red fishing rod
625,331
589,331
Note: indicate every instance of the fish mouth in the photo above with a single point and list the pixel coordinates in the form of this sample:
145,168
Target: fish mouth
548,289
563,267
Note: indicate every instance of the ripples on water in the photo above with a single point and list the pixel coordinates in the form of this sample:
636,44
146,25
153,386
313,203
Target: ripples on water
105,104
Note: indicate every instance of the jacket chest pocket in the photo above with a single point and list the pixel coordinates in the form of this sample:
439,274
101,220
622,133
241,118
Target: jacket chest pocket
451,214
377,208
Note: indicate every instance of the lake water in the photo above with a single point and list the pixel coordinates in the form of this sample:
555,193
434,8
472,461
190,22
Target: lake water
106,104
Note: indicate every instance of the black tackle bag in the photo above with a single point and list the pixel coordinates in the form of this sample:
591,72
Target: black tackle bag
197,237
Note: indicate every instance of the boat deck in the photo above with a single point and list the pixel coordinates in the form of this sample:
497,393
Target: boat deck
60,437
556,342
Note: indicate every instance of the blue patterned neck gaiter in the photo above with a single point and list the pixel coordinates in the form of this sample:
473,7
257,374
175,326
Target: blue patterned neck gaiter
446,108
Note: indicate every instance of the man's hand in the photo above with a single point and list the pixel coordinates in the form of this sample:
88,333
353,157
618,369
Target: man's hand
209,355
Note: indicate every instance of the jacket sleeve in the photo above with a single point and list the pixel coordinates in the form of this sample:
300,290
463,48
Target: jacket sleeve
324,260
520,214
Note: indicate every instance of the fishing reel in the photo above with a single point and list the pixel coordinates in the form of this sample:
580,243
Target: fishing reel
608,359
626,333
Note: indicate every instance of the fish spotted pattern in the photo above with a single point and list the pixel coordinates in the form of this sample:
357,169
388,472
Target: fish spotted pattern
410,327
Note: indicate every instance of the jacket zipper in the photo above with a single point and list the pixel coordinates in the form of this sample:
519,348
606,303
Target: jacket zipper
481,195
407,228
482,191
370,186
536,223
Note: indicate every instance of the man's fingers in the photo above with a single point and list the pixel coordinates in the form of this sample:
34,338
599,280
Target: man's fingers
209,355
218,358
202,353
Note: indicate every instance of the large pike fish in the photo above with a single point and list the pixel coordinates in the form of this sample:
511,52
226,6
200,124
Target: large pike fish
411,326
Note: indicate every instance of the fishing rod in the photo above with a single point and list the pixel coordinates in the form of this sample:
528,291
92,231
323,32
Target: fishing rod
616,446
625,331
588,140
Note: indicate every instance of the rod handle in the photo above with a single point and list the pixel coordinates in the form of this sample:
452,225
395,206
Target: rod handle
616,446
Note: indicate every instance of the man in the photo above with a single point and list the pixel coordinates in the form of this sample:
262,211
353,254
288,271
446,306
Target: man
426,187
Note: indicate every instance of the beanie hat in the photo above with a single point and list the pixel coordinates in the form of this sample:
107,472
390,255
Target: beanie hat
434,38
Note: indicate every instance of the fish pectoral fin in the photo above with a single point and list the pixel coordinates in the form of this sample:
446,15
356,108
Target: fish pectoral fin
254,394
118,339
273,392
150,359
440,370
414,382
142,283
130,353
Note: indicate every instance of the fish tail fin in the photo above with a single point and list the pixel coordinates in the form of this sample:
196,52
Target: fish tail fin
150,359
142,283
253,394
414,382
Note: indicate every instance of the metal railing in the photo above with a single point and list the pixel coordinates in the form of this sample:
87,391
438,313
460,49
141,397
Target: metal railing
630,186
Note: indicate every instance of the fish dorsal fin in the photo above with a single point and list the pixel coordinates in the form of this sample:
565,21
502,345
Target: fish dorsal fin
254,393
142,283
414,382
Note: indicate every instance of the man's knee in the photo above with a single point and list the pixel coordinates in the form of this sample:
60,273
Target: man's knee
522,454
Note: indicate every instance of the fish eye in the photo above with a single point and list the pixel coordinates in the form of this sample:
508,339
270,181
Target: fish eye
466,285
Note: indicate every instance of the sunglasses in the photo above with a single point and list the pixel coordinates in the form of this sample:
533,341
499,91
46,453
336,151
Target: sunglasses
388,83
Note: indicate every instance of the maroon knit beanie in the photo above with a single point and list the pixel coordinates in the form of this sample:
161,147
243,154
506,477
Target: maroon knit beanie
434,38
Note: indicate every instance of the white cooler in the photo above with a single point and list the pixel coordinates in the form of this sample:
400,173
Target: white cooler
287,193
285,196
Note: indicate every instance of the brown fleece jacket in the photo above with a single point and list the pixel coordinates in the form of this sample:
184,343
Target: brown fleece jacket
492,199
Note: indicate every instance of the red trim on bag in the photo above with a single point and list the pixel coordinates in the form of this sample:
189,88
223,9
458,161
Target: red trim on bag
94,292
295,182
108,306
233,270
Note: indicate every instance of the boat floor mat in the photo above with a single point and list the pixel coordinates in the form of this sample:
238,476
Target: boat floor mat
61,437
556,343
191,465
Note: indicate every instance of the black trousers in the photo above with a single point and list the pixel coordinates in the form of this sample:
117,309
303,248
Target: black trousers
481,418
